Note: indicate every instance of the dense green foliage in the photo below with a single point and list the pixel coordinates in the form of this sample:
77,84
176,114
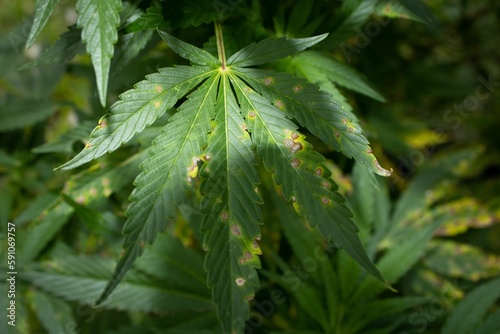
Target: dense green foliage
209,166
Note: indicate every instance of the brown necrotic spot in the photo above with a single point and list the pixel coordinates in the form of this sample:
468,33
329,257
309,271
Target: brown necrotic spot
207,157
369,151
297,89
240,281
279,104
268,81
251,114
295,148
224,215
350,130
102,123
236,230
325,200
295,163
88,145
318,171
325,184
247,256
289,143
337,134
158,89
294,135
157,104
344,120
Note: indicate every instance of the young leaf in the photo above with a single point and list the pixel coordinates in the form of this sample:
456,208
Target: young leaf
299,171
166,175
271,49
138,108
43,10
232,214
99,20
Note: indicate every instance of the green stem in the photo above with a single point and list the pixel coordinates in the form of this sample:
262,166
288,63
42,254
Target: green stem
220,44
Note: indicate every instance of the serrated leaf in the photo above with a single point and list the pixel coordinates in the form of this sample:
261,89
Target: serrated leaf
166,175
316,111
131,295
189,52
43,10
99,21
21,113
299,171
420,9
138,108
271,49
232,214
335,71
53,313
469,312
64,49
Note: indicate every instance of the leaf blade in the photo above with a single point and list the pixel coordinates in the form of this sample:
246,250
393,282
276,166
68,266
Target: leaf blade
165,177
272,49
231,224
138,108
99,21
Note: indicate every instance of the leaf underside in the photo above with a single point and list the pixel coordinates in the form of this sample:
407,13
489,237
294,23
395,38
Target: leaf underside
231,117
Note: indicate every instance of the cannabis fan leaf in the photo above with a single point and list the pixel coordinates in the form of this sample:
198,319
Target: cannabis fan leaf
232,118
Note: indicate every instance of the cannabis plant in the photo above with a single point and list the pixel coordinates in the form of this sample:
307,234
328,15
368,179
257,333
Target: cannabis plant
209,132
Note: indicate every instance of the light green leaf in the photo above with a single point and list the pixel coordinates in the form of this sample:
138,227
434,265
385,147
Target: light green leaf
99,21
151,19
271,49
138,108
309,62
469,312
166,175
315,110
231,224
299,171
188,51
43,10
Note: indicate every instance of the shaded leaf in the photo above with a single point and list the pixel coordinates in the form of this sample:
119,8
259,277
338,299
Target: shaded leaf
21,113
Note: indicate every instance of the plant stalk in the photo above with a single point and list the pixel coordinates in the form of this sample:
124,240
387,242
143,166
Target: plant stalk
220,44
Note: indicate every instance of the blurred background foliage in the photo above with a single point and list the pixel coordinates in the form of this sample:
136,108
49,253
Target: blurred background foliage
432,227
